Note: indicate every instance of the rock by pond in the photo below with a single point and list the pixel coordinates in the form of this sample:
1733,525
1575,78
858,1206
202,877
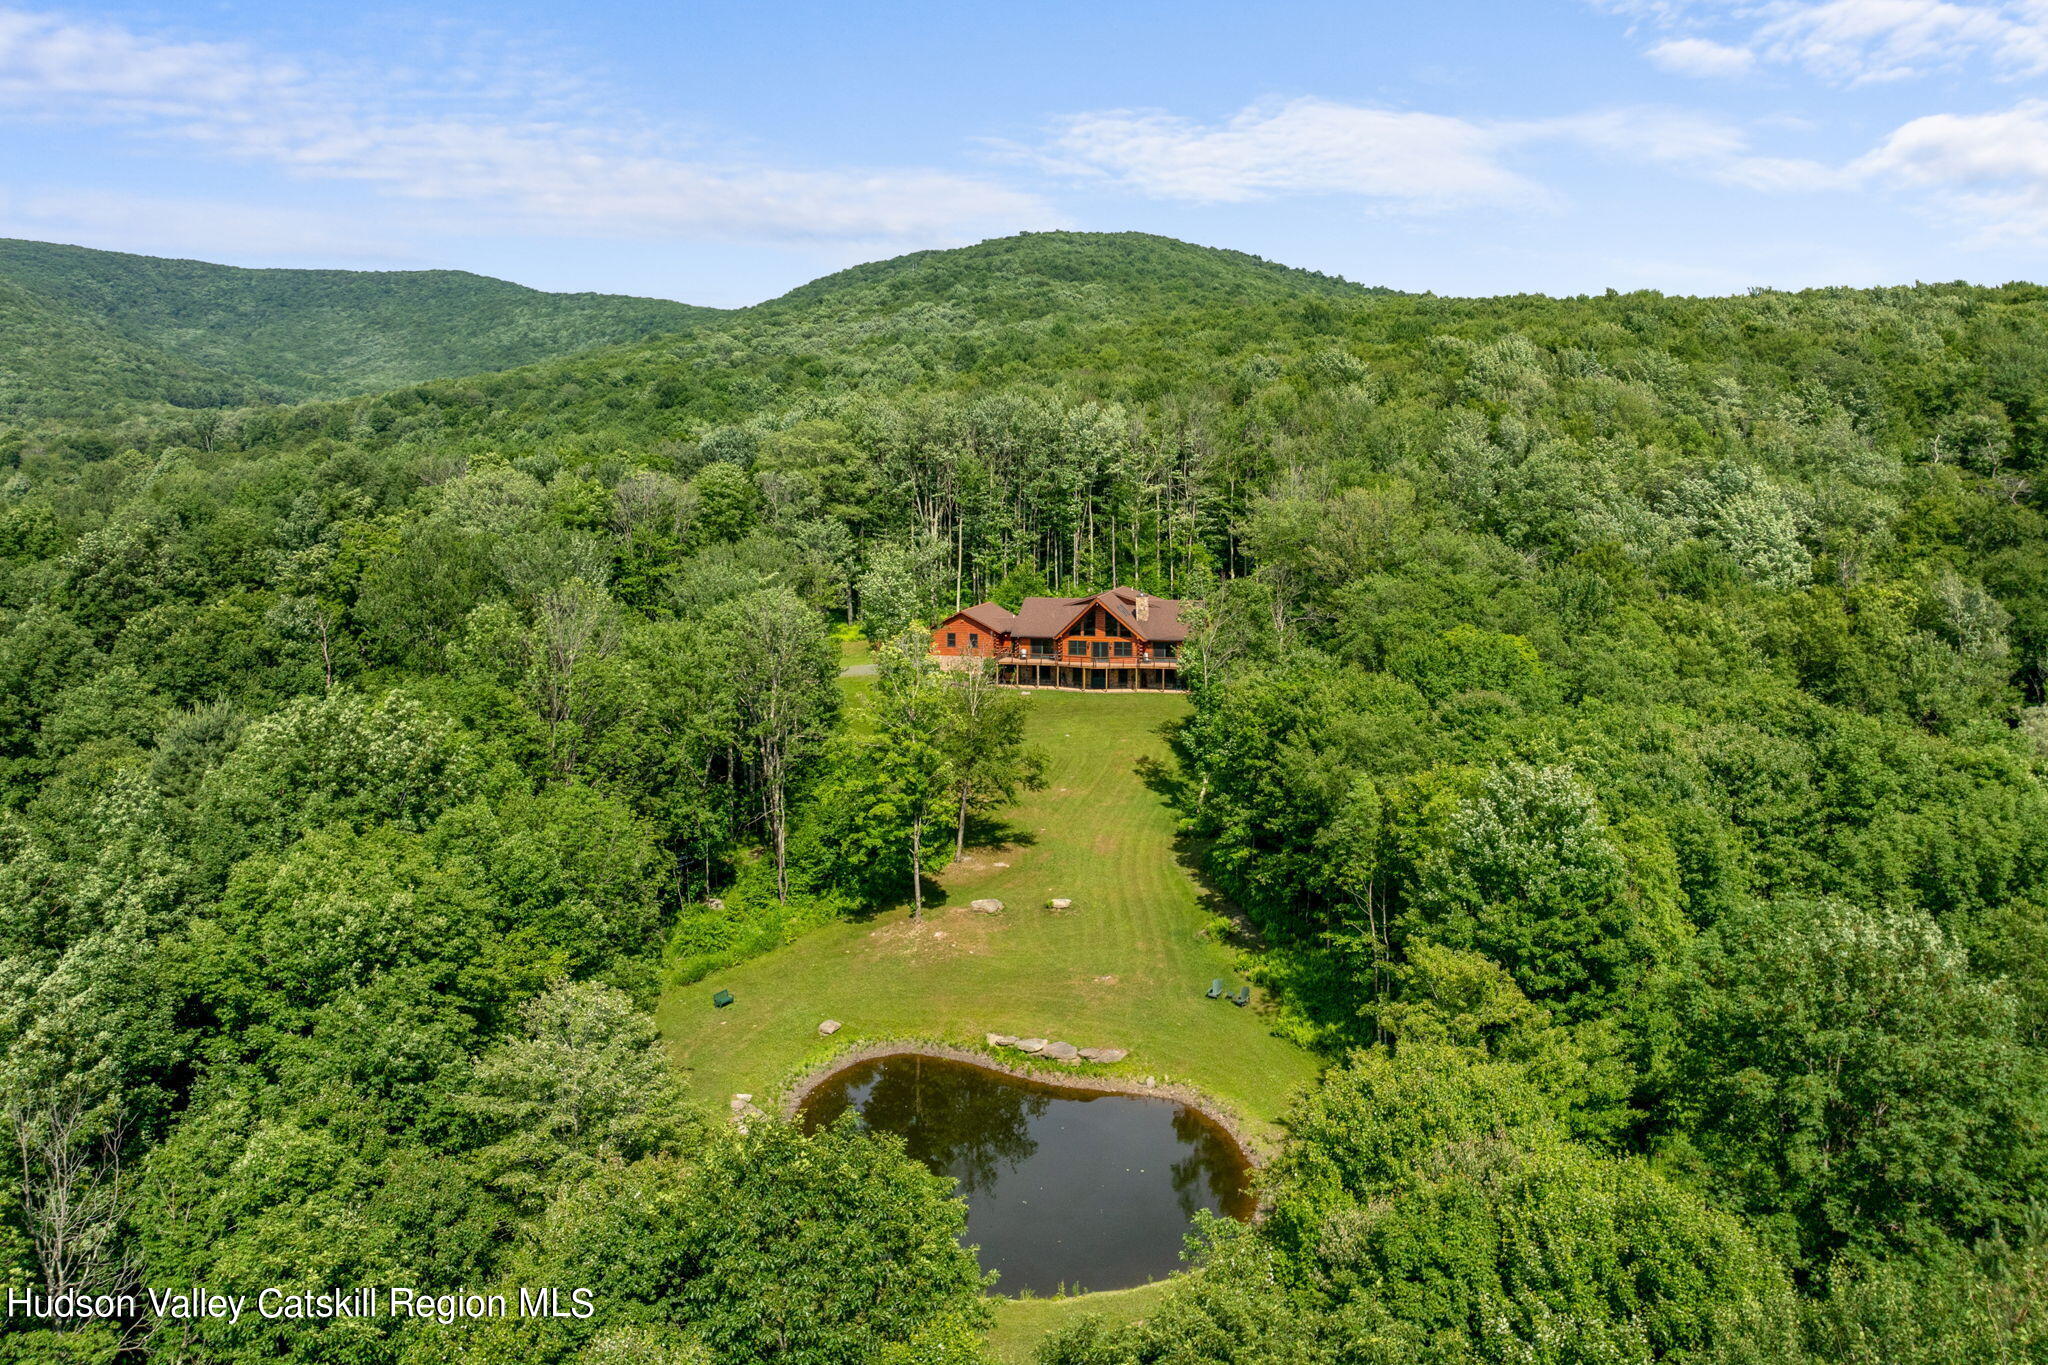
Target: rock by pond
1064,1185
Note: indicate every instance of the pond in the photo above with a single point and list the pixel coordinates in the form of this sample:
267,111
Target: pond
1084,1189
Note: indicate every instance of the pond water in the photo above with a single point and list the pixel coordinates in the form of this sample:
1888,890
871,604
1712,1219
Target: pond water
1081,1188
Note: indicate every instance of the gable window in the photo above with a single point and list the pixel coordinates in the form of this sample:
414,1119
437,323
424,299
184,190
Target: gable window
951,640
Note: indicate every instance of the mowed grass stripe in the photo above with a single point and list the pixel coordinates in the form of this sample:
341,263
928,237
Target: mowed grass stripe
1125,968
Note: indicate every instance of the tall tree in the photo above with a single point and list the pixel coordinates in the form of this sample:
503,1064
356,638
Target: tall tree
982,735
779,678
911,707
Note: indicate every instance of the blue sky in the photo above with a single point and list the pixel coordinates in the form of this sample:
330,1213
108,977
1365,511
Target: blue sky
723,153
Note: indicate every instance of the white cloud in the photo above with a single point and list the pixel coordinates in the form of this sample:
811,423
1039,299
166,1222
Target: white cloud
1414,161
46,58
1706,146
1989,172
1882,40
463,148
1847,41
1702,57
1301,146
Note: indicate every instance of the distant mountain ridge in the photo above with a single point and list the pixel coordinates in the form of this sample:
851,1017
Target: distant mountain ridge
86,332
1067,266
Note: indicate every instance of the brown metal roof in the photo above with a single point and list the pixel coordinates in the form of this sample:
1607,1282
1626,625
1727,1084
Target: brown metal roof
987,614
1042,618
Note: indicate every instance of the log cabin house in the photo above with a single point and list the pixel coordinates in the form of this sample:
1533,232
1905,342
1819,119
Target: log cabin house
1115,641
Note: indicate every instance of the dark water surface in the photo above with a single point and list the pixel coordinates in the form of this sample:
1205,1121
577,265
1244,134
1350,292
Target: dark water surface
1064,1187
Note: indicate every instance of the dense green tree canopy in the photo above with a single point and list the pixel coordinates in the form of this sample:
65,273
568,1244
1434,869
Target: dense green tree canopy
1618,726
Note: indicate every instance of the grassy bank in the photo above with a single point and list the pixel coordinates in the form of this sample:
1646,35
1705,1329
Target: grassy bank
1022,1323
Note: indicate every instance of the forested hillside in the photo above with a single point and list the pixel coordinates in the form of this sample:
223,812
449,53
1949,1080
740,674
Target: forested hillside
1618,728
89,333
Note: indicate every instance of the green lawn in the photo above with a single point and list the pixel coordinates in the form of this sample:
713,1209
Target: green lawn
1126,967
853,649
1022,1323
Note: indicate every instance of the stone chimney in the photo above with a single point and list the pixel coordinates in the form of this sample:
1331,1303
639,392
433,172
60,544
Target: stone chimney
1143,609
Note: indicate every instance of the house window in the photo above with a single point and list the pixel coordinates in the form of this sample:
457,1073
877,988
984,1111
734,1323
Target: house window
950,641
973,640
1102,649
1123,649
1162,650
1077,648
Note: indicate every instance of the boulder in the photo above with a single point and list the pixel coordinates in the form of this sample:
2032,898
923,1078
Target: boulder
1061,1052
829,1027
714,903
1091,1054
1002,1040
1110,1055
987,907
1059,903
1031,1045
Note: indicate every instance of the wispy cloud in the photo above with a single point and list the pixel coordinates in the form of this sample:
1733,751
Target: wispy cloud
457,145
1393,159
1711,148
1702,57
1851,42
1300,146
1983,175
204,228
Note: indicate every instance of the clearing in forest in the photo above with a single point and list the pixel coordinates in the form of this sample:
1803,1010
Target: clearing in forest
1126,967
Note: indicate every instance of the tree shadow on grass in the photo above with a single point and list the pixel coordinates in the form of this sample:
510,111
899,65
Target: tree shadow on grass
985,834
994,834
1192,852
1166,781
934,899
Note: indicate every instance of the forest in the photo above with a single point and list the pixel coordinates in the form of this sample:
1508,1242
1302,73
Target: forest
1618,727
93,334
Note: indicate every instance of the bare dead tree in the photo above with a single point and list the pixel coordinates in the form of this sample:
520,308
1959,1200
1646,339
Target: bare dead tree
74,1191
